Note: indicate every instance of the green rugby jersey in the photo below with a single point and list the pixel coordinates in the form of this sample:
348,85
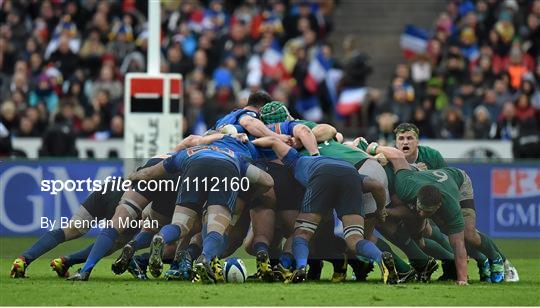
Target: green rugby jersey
332,148
447,180
431,157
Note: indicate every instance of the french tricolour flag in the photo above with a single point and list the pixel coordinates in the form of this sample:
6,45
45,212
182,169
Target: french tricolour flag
316,73
413,41
272,62
350,100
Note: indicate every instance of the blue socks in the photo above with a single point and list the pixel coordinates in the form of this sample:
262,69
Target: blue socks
212,244
286,259
224,245
103,244
260,246
142,239
79,256
45,243
170,233
300,250
369,250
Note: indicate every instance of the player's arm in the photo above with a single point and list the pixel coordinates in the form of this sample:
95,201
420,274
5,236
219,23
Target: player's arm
194,140
307,138
395,156
280,148
457,241
153,172
259,180
257,128
399,209
377,190
324,132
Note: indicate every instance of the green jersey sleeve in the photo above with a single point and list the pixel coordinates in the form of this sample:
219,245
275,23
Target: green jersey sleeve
431,157
309,124
363,144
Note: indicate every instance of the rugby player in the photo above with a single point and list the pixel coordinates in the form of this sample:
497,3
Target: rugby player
426,158
131,205
262,210
277,117
330,184
223,159
438,194
96,206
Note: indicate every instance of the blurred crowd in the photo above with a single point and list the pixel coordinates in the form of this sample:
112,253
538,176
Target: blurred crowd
62,65
478,79
63,62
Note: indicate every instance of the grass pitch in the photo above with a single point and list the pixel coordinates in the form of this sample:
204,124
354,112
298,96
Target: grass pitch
106,289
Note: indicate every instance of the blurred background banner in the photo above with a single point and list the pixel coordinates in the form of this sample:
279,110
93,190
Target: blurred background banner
23,203
507,198
507,195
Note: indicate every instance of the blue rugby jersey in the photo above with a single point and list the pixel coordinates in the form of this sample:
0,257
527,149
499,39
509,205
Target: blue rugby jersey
234,117
306,167
228,149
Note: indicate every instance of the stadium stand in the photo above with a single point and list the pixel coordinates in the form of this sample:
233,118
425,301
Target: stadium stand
63,62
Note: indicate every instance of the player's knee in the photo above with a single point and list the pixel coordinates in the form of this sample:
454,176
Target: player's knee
151,215
125,211
472,236
184,218
79,224
72,233
352,234
304,228
218,222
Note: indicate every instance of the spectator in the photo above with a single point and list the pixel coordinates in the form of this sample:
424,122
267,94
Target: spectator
178,63
507,124
107,82
403,96
64,58
524,109
532,91
121,40
422,121
103,110
516,69
8,115
88,127
38,118
502,92
481,123
384,132
196,113
44,94
117,127
26,129
453,126
490,103
91,52
58,141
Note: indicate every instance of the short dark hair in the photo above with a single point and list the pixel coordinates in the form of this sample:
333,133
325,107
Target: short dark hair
258,99
429,197
406,127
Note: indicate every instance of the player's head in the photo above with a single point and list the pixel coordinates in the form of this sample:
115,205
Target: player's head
407,138
275,112
428,200
258,99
